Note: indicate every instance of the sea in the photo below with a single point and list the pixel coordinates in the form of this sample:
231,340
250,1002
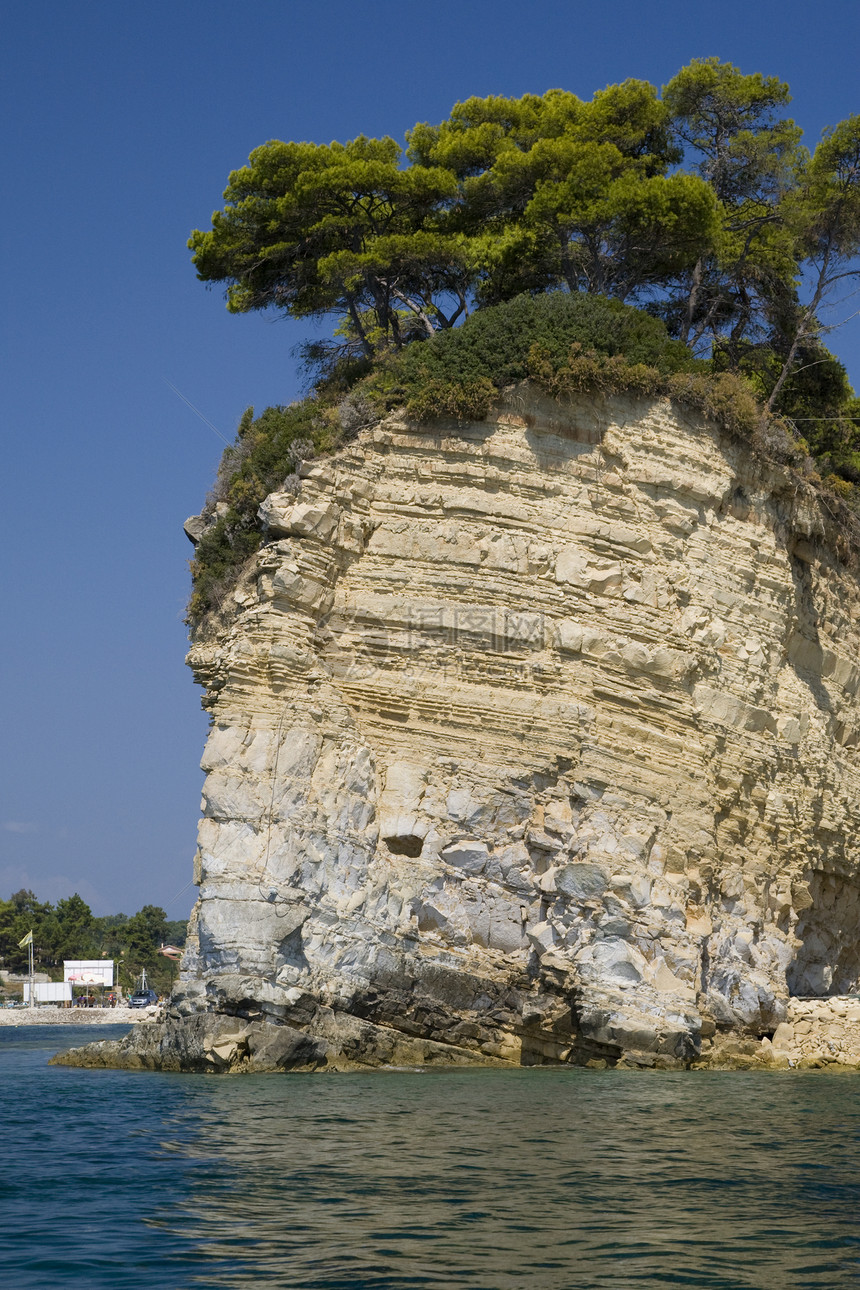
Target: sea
533,1179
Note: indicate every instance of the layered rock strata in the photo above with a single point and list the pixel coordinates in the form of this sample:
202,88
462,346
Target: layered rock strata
533,740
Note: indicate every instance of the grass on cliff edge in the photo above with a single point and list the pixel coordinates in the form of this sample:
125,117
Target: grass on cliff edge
566,344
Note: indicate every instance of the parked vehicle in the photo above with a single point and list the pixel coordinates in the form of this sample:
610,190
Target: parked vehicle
143,999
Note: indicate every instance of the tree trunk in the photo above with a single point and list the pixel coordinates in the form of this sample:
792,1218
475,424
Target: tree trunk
356,322
799,335
802,331
692,300
417,310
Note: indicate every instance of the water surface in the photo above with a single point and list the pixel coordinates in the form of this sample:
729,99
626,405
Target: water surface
545,1179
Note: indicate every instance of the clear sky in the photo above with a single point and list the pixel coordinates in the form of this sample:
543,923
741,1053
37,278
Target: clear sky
122,122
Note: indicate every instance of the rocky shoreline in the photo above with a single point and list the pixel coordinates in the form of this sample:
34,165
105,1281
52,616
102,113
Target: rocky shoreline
48,1016
818,1034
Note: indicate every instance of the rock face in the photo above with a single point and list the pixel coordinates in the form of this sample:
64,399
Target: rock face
533,740
819,1032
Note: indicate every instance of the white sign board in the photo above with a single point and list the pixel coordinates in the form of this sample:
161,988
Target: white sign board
88,971
50,992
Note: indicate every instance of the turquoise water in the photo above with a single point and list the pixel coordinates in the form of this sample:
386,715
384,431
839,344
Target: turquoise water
545,1179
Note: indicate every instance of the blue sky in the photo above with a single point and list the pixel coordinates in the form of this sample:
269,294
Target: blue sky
121,123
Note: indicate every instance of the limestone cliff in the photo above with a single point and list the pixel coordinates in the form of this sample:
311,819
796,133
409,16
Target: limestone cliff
532,740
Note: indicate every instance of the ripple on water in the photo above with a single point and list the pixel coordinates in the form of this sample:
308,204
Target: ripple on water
485,1180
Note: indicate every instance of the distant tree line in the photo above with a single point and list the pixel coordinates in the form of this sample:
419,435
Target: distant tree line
70,930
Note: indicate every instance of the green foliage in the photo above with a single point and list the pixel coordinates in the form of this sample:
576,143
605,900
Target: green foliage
724,397
733,126
398,251
732,132
595,220
829,199
222,550
466,400
701,205
267,450
76,930
817,398
22,913
142,936
823,214
457,373
315,229
570,345
495,345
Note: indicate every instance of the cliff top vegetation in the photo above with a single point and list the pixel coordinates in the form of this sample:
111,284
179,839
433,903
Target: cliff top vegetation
684,243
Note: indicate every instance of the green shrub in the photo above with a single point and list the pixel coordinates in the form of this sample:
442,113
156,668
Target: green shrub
220,553
588,370
722,396
495,343
464,401
456,373
267,451
843,488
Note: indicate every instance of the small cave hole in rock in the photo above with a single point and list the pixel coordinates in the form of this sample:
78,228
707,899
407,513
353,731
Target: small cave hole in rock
408,844
291,952
827,961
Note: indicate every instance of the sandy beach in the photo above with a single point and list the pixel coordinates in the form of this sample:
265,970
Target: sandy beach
48,1016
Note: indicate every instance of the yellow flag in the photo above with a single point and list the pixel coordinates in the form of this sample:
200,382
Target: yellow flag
28,940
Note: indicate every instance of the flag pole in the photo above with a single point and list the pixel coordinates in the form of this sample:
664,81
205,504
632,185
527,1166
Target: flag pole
28,941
